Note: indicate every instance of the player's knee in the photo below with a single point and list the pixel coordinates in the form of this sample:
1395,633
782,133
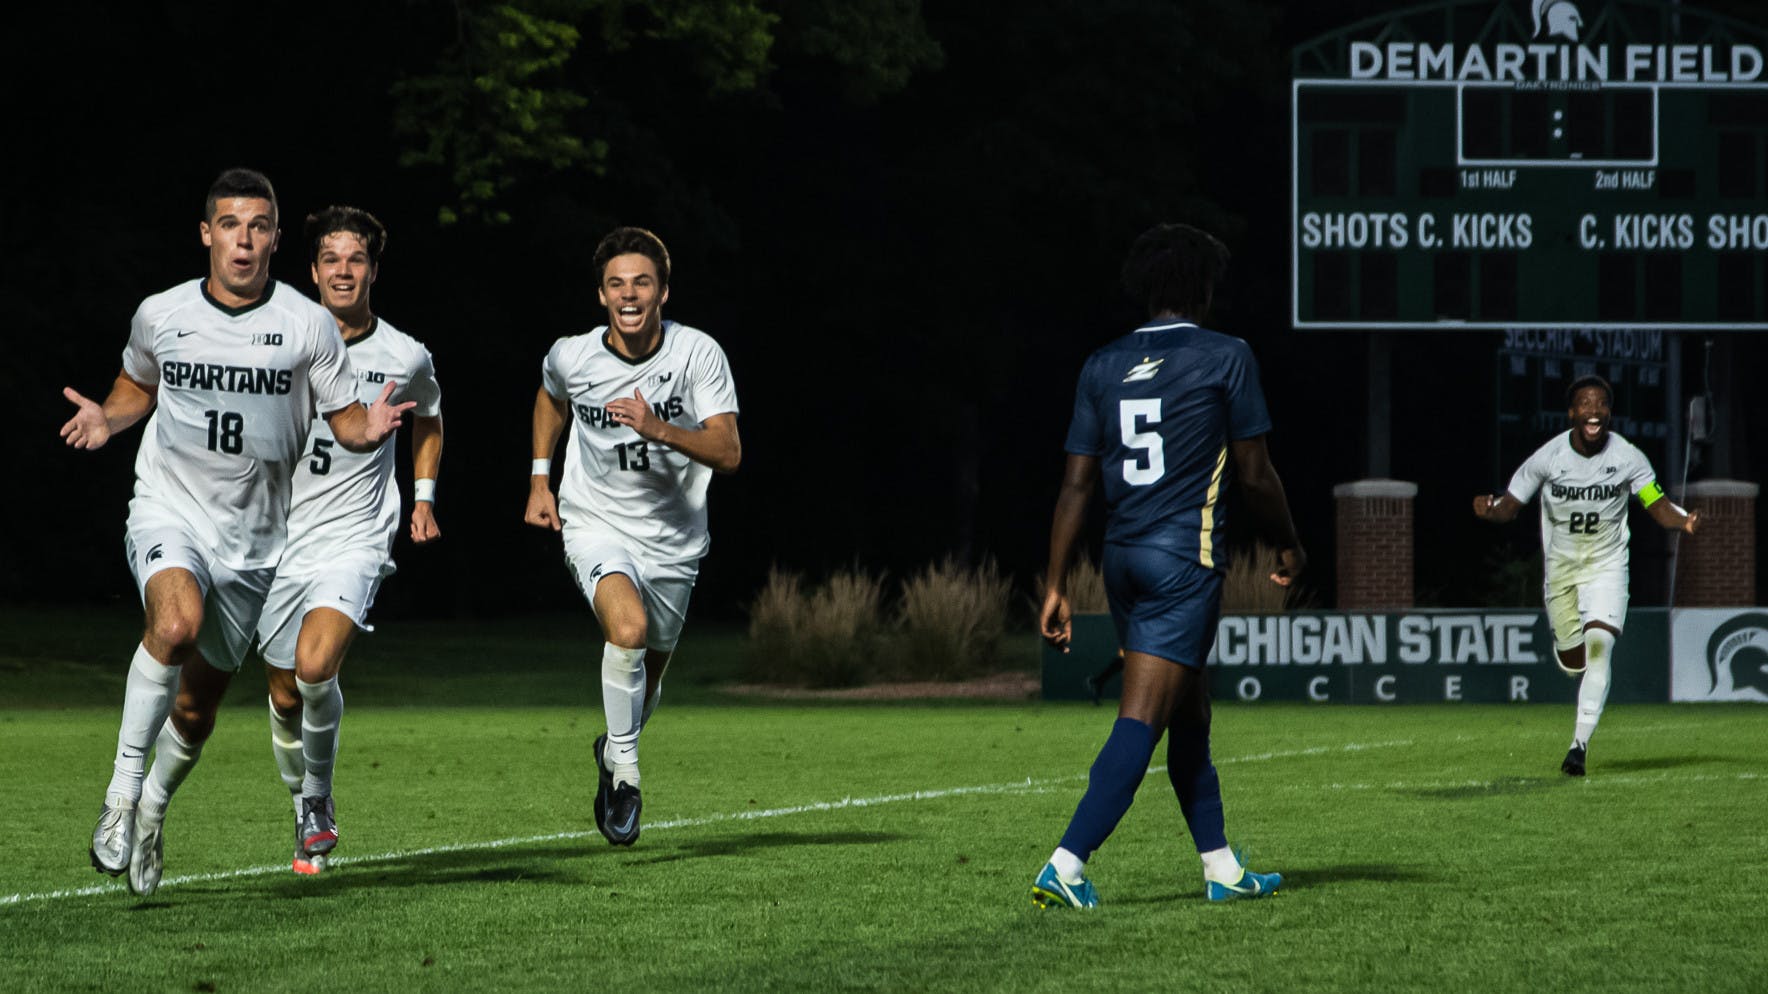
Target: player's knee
175,631
628,634
194,722
285,701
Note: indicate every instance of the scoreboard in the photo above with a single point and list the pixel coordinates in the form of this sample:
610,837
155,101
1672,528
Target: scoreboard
1533,164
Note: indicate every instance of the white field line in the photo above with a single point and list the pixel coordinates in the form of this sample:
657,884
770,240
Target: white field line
1026,786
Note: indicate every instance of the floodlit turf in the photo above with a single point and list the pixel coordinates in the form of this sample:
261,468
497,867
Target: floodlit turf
892,848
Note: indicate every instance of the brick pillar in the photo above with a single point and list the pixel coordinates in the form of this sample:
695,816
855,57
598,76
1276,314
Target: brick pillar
1374,544
1717,566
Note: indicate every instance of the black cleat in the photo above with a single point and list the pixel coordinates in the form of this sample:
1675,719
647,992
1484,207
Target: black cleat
1574,762
621,824
603,788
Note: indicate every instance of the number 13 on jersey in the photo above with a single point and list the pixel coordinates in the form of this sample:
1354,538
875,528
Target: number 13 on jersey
1133,418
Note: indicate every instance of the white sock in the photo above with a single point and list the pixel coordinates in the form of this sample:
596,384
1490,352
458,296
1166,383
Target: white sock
285,745
147,699
322,708
623,702
650,706
1599,645
1221,866
173,759
1071,868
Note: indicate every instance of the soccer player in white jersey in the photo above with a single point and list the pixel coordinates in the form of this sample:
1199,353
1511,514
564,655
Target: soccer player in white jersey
232,368
341,528
1584,477
653,415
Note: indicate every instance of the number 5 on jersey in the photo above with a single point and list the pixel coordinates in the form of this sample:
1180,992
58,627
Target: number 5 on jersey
1132,417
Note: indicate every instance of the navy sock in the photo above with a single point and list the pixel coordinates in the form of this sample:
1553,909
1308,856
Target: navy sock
1111,786
1194,779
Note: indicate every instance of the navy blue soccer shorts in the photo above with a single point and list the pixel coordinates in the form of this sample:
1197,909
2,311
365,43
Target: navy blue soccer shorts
1163,604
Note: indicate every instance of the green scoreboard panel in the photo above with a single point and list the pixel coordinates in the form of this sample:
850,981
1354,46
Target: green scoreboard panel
1601,178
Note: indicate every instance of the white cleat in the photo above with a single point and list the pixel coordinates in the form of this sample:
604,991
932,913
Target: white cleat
149,859
113,841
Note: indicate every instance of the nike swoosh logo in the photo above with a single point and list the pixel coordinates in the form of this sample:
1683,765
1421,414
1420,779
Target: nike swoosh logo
1254,889
183,333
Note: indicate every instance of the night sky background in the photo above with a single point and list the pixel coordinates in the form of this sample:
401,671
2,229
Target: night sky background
904,226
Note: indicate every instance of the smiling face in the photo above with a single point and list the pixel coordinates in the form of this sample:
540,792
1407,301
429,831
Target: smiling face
240,235
633,295
1590,413
343,271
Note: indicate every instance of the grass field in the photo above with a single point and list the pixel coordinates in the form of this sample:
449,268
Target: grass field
867,847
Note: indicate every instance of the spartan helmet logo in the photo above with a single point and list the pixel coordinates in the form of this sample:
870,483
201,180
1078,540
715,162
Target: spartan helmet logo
1558,17
1737,653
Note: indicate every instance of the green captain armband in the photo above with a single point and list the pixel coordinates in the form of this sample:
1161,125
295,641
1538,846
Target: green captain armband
1651,494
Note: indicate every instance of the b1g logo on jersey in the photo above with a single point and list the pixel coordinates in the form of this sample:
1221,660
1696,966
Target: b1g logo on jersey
659,379
267,338
371,376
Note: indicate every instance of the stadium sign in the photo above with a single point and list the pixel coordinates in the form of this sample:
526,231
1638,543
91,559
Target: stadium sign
1414,657
1719,655
1507,164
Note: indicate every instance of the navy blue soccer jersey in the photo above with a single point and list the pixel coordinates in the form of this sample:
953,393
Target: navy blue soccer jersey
1158,408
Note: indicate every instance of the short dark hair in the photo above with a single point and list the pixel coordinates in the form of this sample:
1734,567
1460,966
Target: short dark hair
625,241
1571,392
354,220
239,183
1175,267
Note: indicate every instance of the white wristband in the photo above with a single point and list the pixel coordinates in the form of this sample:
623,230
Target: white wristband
423,490
542,467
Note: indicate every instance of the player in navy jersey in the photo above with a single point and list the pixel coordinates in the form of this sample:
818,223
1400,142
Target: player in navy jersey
1161,415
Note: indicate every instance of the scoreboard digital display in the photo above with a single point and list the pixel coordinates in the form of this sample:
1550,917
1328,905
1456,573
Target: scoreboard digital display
1539,164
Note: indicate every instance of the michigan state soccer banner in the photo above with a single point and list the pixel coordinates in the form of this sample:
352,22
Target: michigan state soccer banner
1414,657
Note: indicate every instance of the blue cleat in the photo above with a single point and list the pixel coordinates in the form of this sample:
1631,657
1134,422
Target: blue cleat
1051,891
1250,884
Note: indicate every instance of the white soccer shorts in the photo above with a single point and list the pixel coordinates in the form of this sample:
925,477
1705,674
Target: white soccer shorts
233,600
595,552
1572,604
346,584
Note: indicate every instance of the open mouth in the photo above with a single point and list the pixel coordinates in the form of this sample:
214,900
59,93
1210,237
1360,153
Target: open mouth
1592,427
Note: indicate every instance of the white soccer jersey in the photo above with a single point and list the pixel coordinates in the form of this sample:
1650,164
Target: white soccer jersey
236,388
647,492
1583,502
346,501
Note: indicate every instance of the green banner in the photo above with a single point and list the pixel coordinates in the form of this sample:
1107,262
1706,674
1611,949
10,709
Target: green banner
1401,658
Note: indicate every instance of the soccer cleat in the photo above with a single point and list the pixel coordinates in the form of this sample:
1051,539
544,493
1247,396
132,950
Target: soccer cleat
1049,890
149,857
621,823
318,830
1574,762
1249,885
305,863
113,841
604,786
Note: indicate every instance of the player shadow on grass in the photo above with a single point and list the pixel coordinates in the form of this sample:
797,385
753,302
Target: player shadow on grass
731,845
515,864
1649,763
1300,879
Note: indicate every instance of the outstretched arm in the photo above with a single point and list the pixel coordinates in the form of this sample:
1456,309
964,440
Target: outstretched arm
549,423
1269,505
93,424
1669,516
426,462
715,443
1054,620
1500,508
363,429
